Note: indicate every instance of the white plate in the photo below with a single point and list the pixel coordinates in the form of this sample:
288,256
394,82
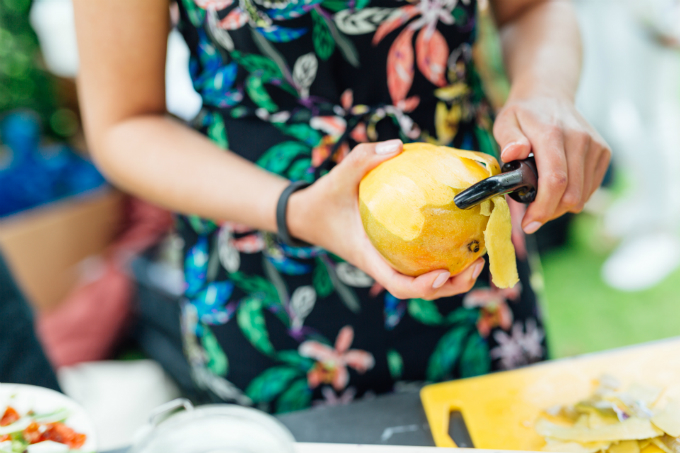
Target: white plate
24,398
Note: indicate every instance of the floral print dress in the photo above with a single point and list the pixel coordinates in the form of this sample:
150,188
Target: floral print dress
293,85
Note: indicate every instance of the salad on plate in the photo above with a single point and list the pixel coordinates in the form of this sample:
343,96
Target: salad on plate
39,420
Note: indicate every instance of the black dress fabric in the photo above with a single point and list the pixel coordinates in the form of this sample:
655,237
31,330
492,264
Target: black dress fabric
22,360
292,86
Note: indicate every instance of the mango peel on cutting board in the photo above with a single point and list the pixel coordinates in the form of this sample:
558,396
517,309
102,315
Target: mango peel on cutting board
406,206
612,420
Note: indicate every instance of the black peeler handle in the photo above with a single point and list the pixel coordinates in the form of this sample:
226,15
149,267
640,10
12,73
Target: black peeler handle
519,178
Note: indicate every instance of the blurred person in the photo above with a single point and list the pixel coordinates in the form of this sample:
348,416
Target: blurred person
22,360
288,88
630,92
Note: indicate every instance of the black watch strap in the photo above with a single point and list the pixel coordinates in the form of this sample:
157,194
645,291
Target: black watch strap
281,208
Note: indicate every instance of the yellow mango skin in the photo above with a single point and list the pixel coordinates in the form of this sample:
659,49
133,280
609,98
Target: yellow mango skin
406,206
498,236
442,243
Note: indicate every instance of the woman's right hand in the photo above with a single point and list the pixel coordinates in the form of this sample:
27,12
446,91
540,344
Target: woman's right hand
327,214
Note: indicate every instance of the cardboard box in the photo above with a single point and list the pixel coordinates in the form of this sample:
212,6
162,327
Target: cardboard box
43,246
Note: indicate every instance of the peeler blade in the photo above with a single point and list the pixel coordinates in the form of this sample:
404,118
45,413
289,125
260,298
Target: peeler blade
518,178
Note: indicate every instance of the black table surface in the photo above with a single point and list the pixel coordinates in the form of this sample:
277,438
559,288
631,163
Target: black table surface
395,419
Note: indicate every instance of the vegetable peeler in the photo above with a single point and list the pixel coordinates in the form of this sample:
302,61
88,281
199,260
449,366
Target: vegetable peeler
518,178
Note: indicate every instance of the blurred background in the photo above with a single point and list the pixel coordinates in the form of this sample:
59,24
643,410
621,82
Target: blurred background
102,270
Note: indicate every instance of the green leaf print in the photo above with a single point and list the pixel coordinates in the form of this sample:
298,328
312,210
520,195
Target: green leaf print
323,285
250,319
294,359
475,358
334,5
446,353
361,4
298,396
425,312
459,15
299,171
252,63
268,386
487,144
324,44
335,258
217,132
239,111
395,363
253,284
303,132
466,316
196,14
217,359
279,157
201,226
258,93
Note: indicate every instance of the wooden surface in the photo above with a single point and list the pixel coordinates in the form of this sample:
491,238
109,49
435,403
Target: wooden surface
43,246
500,409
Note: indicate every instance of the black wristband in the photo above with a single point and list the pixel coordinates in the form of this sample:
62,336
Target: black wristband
281,208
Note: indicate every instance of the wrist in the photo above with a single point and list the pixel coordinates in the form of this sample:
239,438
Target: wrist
529,88
296,215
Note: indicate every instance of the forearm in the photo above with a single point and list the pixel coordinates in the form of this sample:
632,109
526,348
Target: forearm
542,49
164,161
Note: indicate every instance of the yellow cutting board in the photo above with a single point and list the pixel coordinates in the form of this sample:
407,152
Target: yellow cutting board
500,409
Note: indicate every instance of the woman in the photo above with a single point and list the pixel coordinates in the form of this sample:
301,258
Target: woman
288,88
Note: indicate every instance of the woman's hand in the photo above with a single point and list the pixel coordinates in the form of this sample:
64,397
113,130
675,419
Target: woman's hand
570,155
327,214
542,55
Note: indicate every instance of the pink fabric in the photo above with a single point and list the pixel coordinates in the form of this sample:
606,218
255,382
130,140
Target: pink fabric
88,324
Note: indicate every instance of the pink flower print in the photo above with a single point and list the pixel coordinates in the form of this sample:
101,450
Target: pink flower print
332,125
330,398
234,20
432,51
400,66
332,363
522,347
494,309
237,227
214,5
404,15
321,152
249,243
347,99
358,134
376,289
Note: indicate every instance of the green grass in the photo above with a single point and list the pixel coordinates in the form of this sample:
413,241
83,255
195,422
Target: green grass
584,315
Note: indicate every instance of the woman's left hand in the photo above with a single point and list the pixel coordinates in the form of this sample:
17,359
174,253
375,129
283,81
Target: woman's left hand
571,157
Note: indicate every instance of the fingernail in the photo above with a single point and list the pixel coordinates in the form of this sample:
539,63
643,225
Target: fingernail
506,148
440,280
388,147
477,271
532,227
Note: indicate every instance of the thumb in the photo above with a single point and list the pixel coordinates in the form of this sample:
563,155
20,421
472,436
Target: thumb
365,157
508,133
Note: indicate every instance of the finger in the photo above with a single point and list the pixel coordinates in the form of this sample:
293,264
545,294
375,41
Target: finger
601,169
551,164
364,158
592,162
508,133
425,286
462,282
399,285
577,150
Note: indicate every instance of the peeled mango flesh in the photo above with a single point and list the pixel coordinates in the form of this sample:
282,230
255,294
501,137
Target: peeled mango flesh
406,206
